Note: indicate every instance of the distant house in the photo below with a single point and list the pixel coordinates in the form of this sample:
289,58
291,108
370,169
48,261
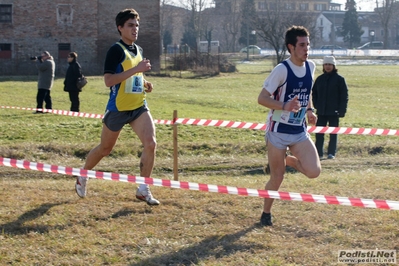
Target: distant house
292,5
329,24
228,11
28,27
369,21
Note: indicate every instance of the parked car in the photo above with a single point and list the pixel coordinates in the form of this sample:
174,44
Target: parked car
252,49
331,47
372,45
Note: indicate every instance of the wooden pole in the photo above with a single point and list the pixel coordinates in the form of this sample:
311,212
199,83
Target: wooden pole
175,149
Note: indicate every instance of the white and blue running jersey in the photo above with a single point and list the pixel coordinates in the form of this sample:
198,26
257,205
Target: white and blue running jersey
284,83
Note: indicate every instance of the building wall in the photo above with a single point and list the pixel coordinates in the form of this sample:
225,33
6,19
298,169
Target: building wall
88,26
261,5
149,35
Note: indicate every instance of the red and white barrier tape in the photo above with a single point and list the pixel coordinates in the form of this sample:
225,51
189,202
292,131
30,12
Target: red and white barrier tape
355,202
58,112
311,129
230,124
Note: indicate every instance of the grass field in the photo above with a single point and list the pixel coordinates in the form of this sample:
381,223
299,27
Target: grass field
43,222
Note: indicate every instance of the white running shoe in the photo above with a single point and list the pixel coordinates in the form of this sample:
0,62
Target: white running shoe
145,195
80,186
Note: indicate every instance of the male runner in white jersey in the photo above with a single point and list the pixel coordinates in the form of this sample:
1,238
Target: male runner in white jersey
123,73
286,92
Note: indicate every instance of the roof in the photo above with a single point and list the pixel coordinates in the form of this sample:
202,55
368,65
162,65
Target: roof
365,18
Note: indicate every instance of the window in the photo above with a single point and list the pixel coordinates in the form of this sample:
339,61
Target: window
289,6
262,5
5,50
320,7
63,50
227,7
303,6
5,13
272,6
64,14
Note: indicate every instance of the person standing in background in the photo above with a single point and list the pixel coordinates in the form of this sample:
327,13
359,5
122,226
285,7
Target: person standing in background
46,67
70,83
330,98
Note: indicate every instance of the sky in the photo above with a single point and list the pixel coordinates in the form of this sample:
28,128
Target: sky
365,5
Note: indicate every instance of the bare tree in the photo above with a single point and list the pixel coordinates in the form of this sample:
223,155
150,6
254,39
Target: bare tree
385,10
165,13
196,7
275,20
206,32
231,25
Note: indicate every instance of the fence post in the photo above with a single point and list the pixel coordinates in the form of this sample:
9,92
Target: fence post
175,151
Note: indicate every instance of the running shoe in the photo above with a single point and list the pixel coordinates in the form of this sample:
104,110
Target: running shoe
145,195
266,219
80,186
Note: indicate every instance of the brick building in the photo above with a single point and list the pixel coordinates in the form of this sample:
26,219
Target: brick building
28,27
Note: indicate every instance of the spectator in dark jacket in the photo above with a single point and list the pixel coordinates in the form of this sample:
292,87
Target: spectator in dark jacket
73,73
46,67
330,98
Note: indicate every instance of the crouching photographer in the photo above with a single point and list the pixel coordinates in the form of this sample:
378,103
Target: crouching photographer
46,68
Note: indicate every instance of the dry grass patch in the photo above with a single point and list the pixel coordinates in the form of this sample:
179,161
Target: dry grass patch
44,222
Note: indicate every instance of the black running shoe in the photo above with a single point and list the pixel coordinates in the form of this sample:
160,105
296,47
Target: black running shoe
266,219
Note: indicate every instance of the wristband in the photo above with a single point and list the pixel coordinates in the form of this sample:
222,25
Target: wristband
310,109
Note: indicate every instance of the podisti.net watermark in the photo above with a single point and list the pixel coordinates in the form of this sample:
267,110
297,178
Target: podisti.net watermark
367,256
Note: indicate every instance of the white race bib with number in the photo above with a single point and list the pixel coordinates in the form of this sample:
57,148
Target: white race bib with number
289,118
134,84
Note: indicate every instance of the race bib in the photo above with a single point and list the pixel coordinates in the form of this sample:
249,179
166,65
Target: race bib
289,118
134,84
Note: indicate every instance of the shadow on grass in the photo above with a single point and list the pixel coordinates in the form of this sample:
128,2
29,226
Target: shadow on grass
19,78
18,228
255,171
124,213
214,246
